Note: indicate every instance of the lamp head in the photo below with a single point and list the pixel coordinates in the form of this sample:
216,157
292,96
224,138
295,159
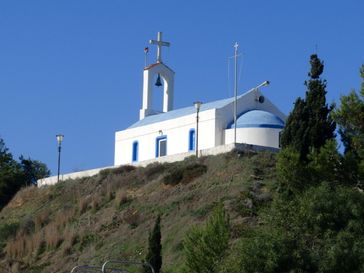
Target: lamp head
266,83
197,105
59,138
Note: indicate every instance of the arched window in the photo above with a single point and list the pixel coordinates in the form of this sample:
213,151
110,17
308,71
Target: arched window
192,140
135,151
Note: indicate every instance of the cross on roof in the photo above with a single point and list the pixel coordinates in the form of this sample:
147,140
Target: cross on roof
159,44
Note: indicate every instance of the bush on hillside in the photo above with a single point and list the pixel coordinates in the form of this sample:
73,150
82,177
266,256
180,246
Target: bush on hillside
205,247
154,169
7,231
117,171
317,231
184,174
121,198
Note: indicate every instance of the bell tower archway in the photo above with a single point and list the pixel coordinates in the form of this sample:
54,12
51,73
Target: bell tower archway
166,75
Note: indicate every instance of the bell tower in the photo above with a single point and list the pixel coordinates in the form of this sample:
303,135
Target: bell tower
165,75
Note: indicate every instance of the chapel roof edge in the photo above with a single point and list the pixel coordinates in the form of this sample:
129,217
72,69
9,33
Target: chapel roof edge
156,64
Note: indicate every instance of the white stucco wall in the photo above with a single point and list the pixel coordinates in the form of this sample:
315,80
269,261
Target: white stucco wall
54,179
177,133
268,137
170,158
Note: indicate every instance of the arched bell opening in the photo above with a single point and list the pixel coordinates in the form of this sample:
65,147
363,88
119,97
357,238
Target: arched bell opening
158,88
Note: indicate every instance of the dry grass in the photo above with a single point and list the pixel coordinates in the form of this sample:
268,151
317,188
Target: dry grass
83,204
37,243
110,192
125,204
70,239
15,268
24,245
132,217
95,202
52,236
121,198
63,217
16,248
41,219
23,196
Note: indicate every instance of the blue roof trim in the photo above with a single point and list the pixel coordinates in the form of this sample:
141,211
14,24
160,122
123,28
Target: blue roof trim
273,126
182,112
258,119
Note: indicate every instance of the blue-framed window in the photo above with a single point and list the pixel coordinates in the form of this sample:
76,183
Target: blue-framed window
161,146
192,140
135,151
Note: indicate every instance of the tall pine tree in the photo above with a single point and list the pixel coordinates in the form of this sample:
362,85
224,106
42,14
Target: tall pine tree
350,118
154,255
310,125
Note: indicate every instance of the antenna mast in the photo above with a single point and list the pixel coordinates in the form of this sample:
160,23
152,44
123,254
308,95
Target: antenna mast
235,87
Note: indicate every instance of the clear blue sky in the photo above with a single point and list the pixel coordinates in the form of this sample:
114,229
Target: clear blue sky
75,67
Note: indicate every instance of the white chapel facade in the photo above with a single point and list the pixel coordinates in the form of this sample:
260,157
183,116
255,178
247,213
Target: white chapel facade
173,132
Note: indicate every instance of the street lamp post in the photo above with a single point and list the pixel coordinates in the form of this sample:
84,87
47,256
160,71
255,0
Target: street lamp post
197,105
59,140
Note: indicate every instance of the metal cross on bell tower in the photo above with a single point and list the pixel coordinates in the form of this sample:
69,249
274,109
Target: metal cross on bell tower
159,44
165,78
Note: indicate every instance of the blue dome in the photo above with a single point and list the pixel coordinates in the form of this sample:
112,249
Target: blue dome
258,119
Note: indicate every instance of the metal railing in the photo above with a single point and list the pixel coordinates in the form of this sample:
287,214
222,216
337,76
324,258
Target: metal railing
86,269
111,266
124,262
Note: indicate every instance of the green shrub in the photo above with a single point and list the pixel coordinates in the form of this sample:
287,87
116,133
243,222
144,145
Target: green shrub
6,231
203,210
184,174
117,171
152,170
27,226
87,239
266,251
205,247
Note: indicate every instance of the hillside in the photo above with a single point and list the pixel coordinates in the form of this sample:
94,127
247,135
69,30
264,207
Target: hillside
109,216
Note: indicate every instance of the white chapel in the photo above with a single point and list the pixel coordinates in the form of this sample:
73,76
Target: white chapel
197,129
201,129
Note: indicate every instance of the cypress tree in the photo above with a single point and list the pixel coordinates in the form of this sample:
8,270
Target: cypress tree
310,125
154,255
